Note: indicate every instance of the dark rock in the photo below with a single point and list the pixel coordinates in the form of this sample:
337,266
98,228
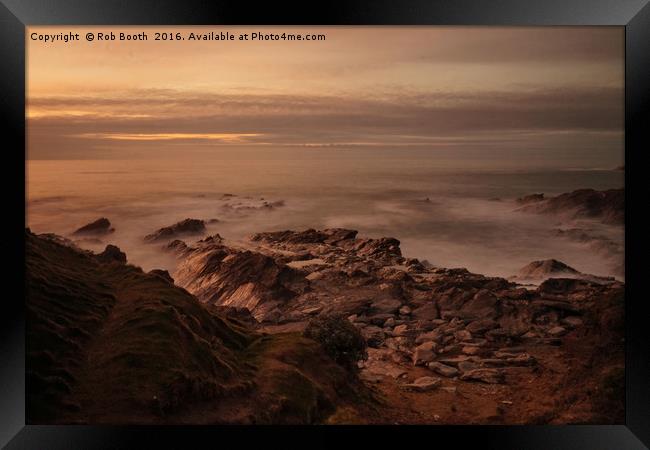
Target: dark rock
162,274
443,369
98,227
184,227
424,353
112,254
606,206
528,199
373,335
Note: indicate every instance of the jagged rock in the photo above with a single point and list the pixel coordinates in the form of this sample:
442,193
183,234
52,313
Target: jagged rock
184,227
424,353
336,235
162,274
177,246
98,227
433,336
443,369
112,254
423,384
544,269
537,271
400,330
244,279
607,206
490,376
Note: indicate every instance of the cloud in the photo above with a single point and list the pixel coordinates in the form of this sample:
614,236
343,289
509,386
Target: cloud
432,118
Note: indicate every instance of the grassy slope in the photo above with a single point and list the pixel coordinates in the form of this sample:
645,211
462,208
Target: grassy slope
107,343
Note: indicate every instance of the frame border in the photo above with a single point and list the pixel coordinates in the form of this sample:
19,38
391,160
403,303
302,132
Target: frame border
634,15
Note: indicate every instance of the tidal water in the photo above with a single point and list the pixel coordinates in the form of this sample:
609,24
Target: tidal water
453,211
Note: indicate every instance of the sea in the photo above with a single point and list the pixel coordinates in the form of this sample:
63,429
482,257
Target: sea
453,210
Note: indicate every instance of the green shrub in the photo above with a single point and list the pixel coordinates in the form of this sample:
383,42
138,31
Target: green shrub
339,338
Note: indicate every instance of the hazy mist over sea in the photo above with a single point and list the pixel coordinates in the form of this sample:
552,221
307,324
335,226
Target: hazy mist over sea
453,209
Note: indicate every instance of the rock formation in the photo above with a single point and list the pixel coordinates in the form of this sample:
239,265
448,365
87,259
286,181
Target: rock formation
97,228
107,343
459,325
605,206
431,332
538,271
183,228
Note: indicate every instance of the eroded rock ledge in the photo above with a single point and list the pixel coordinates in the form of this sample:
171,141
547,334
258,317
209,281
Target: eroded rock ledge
458,324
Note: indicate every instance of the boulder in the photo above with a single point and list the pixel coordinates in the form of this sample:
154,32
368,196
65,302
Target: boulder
433,336
184,227
423,384
443,369
162,274
112,254
98,227
424,353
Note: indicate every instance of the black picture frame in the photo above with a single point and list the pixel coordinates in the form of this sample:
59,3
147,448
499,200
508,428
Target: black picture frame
634,15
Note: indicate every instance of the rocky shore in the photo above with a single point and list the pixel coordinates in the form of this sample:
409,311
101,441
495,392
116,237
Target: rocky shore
444,345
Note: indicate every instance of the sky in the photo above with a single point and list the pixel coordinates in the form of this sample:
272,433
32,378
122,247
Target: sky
551,91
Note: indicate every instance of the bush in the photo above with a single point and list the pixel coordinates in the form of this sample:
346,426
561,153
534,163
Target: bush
339,338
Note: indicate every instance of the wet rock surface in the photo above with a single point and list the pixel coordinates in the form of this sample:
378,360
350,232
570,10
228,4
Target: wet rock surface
183,228
607,206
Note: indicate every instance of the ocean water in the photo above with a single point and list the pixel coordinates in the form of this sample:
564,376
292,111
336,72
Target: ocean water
452,211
